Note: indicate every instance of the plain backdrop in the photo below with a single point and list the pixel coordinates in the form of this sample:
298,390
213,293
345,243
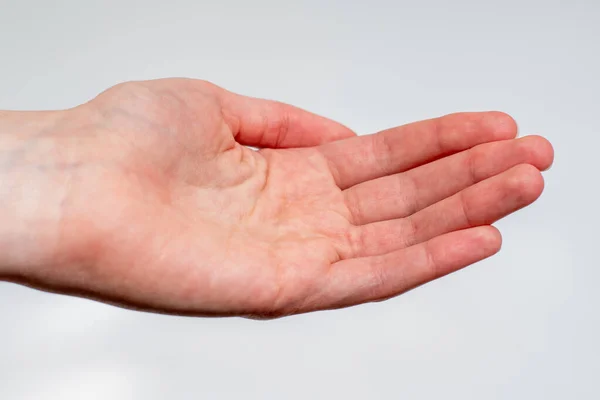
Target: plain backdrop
522,325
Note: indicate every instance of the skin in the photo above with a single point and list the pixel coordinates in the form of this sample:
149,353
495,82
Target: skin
149,197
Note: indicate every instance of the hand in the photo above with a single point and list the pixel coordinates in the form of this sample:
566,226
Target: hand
148,197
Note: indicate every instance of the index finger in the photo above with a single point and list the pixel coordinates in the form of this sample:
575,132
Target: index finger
394,150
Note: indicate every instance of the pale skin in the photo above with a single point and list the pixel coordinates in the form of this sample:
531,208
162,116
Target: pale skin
148,197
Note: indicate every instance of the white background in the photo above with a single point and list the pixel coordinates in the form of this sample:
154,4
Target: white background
523,325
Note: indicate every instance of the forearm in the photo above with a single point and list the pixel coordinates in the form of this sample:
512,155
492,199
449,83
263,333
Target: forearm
28,190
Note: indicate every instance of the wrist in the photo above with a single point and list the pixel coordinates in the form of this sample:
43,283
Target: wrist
30,192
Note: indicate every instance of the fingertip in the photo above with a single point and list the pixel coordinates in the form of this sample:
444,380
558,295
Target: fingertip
503,125
545,152
459,249
540,151
527,181
491,239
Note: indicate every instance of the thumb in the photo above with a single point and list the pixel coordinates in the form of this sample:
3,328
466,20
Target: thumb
271,124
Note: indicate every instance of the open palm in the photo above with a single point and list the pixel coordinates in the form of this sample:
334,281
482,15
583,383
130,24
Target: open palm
167,209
